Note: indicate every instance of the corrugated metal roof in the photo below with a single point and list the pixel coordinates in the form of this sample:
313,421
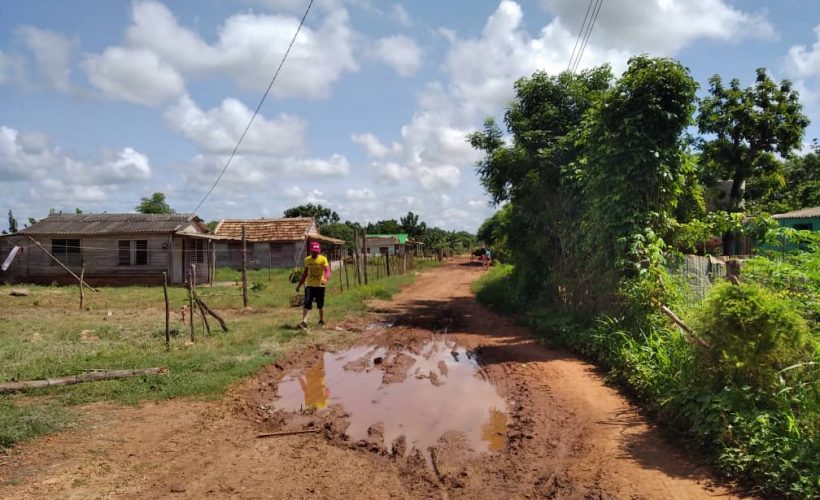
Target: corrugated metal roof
382,242
803,213
103,224
286,229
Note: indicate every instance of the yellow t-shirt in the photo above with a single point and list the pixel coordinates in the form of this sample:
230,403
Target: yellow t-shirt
315,270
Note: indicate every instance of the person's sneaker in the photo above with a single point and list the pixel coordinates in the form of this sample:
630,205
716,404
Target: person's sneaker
303,326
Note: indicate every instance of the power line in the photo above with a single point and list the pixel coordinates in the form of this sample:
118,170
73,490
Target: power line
578,38
256,112
590,27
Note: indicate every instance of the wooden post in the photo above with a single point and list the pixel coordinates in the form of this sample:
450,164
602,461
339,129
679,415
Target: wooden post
191,300
204,318
387,262
55,259
270,261
167,311
344,267
364,254
341,281
244,267
356,263
212,273
82,292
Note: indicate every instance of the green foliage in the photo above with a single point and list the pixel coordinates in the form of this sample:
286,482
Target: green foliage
322,215
12,223
494,231
410,224
748,129
258,286
19,422
340,231
497,290
155,204
212,225
752,334
389,226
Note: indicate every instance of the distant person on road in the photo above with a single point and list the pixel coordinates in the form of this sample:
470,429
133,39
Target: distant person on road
315,277
488,257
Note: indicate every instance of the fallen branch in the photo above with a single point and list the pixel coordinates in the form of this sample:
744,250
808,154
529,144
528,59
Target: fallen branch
93,376
287,433
688,332
203,305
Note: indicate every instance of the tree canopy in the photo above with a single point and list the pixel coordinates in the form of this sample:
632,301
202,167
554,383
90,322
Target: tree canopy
322,215
155,204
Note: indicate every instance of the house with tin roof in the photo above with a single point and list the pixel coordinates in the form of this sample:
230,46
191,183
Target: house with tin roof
112,249
807,219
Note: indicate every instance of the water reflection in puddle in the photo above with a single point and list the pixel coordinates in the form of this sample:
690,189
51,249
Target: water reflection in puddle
442,392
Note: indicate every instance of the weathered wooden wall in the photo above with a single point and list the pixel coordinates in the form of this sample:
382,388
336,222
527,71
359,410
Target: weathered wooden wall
260,254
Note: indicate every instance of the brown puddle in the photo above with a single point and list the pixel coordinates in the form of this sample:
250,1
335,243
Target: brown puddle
442,391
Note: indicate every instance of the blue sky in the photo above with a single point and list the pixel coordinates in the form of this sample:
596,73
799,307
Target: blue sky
108,101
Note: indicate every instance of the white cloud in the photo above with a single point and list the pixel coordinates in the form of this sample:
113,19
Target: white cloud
434,178
804,62
360,195
134,75
127,165
53,52
218,129
295,192
12,68
374,147
400,15
401,53
664,26
248,48
335,166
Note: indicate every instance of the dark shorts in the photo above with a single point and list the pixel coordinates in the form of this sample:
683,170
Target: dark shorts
316,293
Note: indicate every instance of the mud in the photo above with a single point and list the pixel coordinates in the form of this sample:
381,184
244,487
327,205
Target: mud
434,397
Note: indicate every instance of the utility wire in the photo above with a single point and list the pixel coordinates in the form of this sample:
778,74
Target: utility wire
590,27
578,38
256,112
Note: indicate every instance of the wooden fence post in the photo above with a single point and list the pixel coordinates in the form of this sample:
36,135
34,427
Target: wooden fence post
167,311
244,267
82,292
364,254
191,278
344,267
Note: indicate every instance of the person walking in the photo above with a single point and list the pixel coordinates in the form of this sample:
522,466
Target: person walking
315,276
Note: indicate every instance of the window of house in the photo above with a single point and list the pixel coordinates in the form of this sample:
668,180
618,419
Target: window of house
198,249
132,252
141,253
277,249
806,226
235,252
124,252
67,251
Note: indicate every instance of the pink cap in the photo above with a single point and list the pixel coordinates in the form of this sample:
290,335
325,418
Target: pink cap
314,247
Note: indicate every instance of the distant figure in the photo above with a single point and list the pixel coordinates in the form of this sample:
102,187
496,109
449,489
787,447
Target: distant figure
315,277
488,257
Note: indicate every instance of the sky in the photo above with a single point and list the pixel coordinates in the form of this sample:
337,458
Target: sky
105,102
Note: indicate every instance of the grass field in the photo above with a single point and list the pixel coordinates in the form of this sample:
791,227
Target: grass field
46,335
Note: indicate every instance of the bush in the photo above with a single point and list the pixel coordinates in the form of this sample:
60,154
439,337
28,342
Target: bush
752,334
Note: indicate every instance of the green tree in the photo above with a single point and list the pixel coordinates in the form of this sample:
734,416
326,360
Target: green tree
410,224
12,223
746,130
322,215
212,225
389,226
155,204
339,230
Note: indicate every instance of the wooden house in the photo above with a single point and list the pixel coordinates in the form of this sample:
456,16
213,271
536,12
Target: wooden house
276,243
806,219
391,244
114,249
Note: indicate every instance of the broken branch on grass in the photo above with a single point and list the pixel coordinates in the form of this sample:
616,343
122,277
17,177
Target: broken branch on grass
93,376
210,311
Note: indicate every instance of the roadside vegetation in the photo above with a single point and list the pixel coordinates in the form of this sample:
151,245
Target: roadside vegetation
45,335
605,190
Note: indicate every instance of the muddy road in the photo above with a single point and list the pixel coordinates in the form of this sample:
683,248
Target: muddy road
428,396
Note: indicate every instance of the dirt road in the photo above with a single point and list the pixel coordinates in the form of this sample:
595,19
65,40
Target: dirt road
431,397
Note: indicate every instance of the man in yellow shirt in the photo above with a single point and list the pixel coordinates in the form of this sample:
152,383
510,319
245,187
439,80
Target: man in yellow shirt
315,277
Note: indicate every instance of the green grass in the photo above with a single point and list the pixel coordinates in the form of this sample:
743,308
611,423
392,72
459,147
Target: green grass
46,335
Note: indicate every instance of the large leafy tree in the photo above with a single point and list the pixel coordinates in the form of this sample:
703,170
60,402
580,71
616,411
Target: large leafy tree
155,204
748,130
339,230
389,226
322,215
410,224
12,223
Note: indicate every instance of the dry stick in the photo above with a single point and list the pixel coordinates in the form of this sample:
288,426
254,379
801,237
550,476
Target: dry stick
204,318
76,379
167,311
387,263
344,267
688,332
191,300
341,282
287,433
55,259
82,292
244,267
212,313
